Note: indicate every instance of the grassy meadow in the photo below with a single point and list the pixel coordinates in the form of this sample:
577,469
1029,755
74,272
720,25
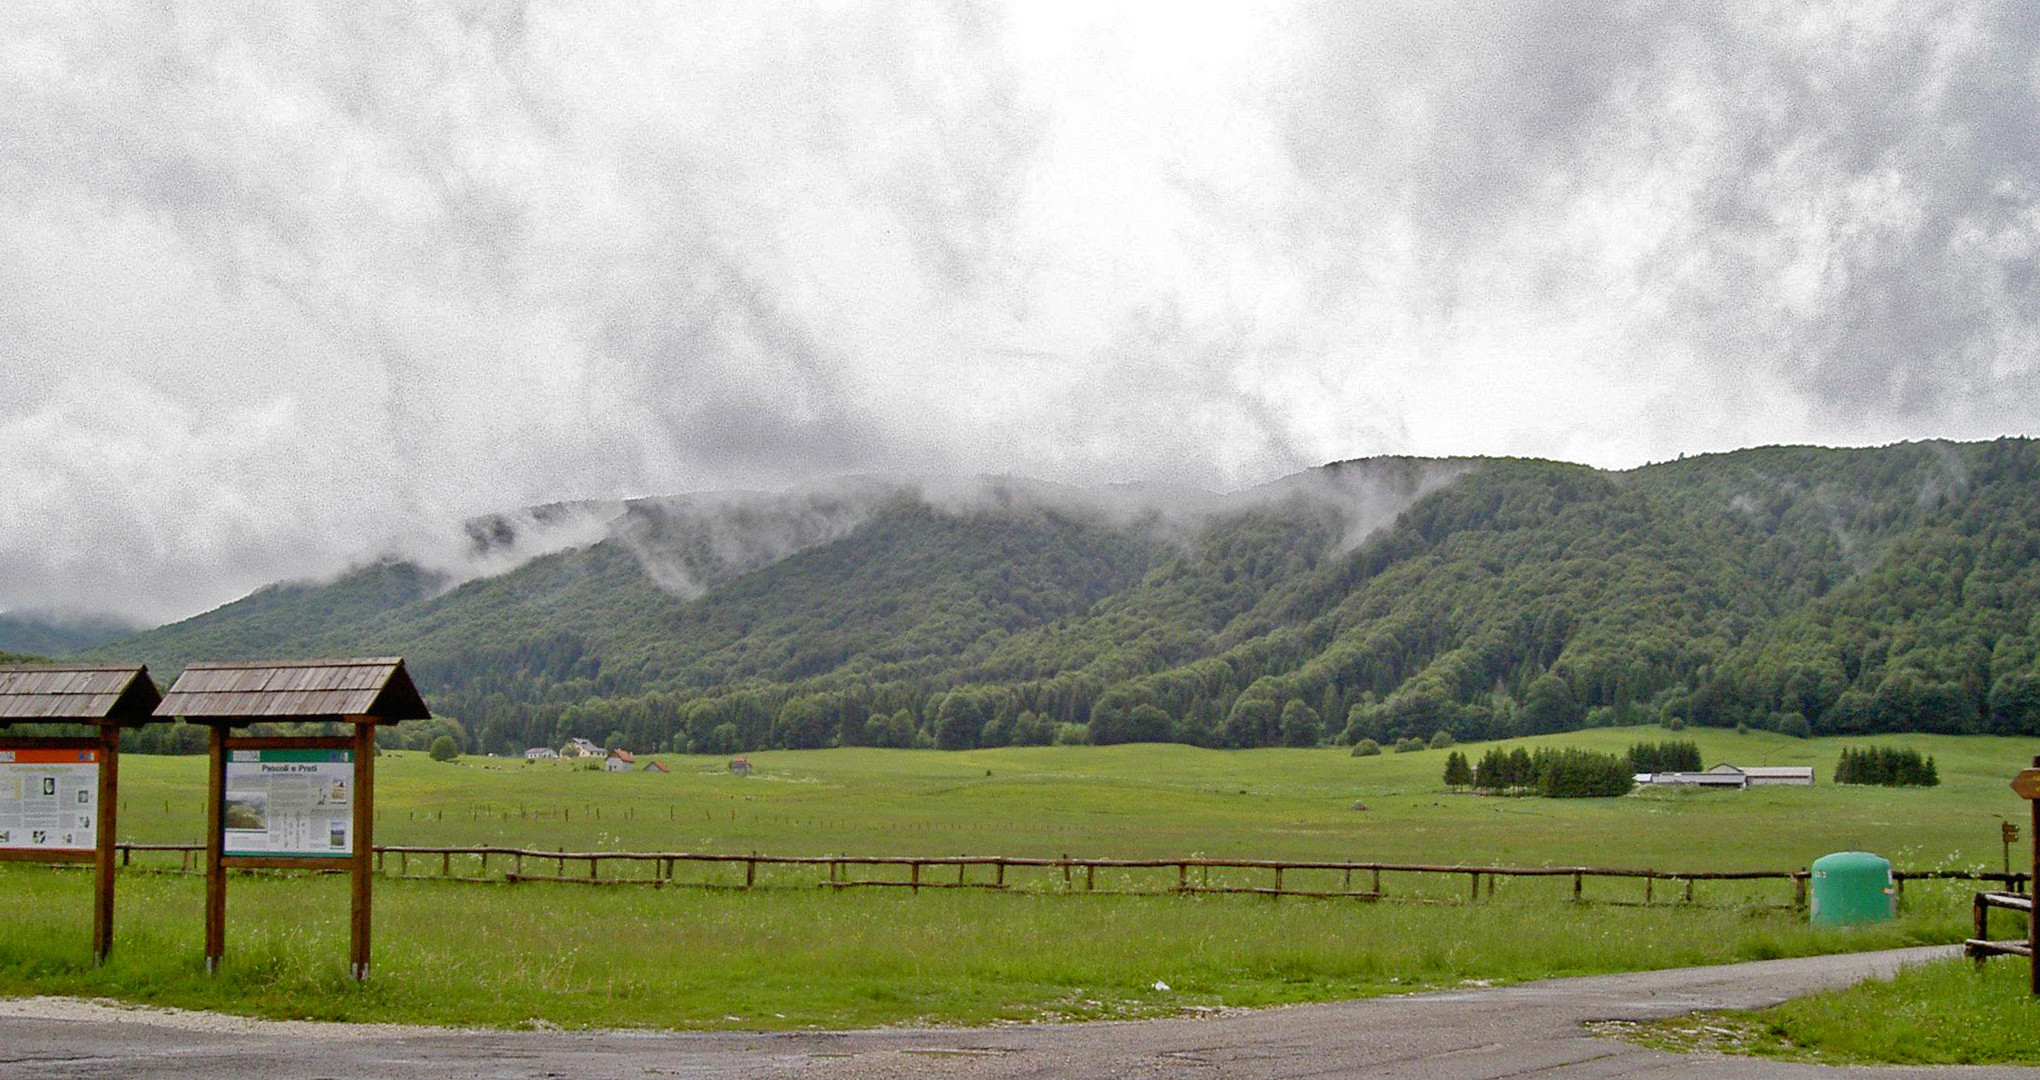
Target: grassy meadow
508,955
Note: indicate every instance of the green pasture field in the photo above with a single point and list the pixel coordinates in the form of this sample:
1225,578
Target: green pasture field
1166,801
796,955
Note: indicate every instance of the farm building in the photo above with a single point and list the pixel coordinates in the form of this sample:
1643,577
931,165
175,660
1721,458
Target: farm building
1760,775
537,753
1709,779
653,766
620,761
740,766
1734,776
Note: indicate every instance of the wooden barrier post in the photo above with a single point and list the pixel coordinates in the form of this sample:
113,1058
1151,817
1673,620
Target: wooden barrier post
2027,786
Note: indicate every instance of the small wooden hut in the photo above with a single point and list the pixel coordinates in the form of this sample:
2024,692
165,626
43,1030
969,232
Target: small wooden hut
296,801
59,795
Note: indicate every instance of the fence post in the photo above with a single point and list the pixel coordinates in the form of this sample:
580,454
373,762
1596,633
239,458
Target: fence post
1579,882
914,877
1090,876
1001,866
1475,878
1649,882
446,863
1066,870
1377,882
750,871
1182,877
1980,916
1799,890
1278,882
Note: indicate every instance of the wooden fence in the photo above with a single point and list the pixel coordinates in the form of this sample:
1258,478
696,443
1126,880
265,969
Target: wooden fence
1264,877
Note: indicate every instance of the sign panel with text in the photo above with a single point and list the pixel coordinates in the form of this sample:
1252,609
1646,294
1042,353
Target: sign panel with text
289,802
49,800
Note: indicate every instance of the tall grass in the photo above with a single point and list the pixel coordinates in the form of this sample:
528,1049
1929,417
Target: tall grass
692,958
1947,1013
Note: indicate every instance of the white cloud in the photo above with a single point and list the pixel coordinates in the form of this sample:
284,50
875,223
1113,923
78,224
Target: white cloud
281,282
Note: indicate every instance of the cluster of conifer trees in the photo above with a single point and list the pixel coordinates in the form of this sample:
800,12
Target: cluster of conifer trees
1551,772
1670,756
1890,766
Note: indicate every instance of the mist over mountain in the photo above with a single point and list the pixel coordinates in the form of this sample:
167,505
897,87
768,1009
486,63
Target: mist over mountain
1794,588
39,633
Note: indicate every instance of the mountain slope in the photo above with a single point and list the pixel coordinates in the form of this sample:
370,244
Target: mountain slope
1795,588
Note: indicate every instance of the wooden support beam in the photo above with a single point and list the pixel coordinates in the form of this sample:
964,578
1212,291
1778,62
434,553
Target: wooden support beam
362,858
215,840
104,825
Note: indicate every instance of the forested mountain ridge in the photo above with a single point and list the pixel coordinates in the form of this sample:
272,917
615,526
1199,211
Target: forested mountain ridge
1796,588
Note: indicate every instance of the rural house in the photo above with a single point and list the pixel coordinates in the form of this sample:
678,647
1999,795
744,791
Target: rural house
580,748
740,766
537,753
619,761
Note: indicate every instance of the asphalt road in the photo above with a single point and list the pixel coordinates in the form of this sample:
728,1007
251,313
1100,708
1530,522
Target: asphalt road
1530,1030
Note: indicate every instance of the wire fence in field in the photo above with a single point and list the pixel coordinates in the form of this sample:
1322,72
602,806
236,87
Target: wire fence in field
1364,881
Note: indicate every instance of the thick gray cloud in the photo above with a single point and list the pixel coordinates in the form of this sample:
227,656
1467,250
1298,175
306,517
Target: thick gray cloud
280,283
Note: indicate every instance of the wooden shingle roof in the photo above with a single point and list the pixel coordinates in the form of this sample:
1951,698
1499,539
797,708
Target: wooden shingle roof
60,693
377,688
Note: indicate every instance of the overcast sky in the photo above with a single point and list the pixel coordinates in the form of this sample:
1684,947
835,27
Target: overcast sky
279,281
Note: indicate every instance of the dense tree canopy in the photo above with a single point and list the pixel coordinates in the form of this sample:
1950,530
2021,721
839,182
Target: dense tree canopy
1795,589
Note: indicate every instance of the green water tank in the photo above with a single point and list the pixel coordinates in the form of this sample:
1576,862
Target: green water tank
1852,887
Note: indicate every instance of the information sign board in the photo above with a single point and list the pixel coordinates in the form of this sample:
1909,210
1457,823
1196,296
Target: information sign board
49,800
289,802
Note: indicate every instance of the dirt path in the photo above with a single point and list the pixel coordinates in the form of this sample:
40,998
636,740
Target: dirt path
1531,1030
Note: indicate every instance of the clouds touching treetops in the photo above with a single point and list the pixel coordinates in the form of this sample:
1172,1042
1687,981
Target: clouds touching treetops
278,282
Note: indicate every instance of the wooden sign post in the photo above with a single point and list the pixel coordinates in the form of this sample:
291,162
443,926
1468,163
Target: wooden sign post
2027,786
293,802
59,795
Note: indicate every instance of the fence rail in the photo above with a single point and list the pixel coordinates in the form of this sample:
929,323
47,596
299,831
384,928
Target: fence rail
1192,875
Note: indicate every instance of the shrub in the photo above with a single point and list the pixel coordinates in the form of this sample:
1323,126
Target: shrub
1458,773
443,749
1441,739
1366,748
1301,725
1409,745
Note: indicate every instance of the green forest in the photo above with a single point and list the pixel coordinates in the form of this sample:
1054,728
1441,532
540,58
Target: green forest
1794,589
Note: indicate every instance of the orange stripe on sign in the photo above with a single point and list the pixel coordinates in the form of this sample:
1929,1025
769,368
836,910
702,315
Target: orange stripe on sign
48,757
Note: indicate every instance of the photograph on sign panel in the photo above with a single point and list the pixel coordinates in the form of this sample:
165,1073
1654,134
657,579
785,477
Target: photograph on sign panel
247,810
